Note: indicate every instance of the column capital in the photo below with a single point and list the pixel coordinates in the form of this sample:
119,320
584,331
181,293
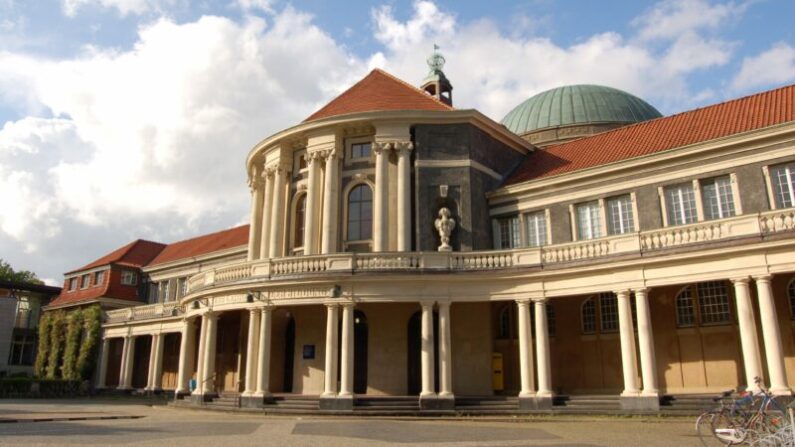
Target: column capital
767,277
403,147
427,303
523,302
255,182
539,299
444,303
332,304
643,290
381,146
620,292
741,280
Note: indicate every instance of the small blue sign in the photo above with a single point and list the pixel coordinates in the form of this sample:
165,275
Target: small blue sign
309,352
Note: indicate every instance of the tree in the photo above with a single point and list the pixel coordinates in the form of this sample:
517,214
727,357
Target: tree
8,274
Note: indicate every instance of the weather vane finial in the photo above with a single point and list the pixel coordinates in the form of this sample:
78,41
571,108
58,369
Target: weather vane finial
436,60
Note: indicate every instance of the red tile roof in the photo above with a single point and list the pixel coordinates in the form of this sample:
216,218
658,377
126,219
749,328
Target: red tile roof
720,120
135,254
111,287
221,240
377,91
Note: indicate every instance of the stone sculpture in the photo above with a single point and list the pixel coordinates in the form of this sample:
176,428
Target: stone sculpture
445,226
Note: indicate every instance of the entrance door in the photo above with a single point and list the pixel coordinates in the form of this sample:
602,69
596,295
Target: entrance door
114,362
414,337
289,355
360,332
227,362
171,344
143,348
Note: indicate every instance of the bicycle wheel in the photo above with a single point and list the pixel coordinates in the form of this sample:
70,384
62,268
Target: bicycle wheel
704,430
727,430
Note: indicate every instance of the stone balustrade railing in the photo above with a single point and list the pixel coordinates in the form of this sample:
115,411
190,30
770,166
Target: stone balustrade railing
145,312
627,244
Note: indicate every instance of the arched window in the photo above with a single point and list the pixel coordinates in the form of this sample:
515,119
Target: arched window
360,213
504,328
705,303
608,309
791,294
588,312
685,311
300,221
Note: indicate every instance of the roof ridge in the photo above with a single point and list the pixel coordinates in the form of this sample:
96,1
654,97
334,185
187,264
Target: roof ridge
205,235
413,87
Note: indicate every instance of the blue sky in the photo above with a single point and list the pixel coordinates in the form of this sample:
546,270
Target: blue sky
125,119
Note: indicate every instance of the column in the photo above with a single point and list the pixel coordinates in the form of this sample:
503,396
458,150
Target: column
267,212
157,383
264,356
648,364
312,196
629,361
525,350
187,346
103,363
128,363
426,357
346,374
277,213
200,361
445,352
381,198
208,378
331,350
748,337
772,337
150,374
252,351
404,196
542,350
254,231
330,203
123,366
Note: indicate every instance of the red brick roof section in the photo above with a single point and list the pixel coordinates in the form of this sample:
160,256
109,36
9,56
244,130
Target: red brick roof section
221,240
111,287
720,120
135,254
379,91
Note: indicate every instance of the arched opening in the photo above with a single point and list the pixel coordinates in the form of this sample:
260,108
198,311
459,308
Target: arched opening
360,213
414,363
360,333
289,355
229,352
143,347
300,221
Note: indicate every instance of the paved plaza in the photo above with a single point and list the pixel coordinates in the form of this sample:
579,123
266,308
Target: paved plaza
128,422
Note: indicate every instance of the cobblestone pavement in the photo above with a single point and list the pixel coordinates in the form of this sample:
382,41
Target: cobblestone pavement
143,424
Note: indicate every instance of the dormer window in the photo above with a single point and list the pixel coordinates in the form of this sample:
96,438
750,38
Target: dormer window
72,284
128,277
99,277
85,281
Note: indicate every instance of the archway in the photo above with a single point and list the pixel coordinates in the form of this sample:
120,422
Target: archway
414,363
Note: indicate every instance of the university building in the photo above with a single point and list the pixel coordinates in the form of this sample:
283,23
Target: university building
403,250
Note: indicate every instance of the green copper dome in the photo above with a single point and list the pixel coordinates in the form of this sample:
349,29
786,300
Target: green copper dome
578,104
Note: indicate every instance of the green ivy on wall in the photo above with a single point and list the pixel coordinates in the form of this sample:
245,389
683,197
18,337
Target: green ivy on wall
40,367
67,343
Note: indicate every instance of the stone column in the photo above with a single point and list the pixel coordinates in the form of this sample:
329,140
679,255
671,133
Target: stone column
772,337
330,203
404,196
278,215
748,337
267,213
629,362
187,346
381,197
525,353
648,363
264,356
150,374
544,393
157,381
208,378
346,373
331,350
426,357
445,352
254,231
128,363
252,351
312,196
103,363
200,361
123,366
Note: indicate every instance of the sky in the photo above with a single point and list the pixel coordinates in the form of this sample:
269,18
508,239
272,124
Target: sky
127,119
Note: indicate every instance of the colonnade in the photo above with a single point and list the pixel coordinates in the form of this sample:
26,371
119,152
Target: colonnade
321,227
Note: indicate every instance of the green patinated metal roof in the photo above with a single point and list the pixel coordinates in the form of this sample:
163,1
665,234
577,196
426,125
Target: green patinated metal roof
578,104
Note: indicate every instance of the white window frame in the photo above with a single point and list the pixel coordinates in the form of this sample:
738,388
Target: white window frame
633,216
349,142
733,189
771,190
514,232
523,230
85,280
129,277
367,244
297,155
574,208
99,277
699,197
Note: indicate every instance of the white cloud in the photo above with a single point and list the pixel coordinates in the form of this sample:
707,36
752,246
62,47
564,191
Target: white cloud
773,66
669,19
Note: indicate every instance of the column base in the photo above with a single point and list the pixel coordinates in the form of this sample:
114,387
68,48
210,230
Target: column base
535,402
780,391
255,401
638,402
544,401
328,403
435,402
181,394
200,399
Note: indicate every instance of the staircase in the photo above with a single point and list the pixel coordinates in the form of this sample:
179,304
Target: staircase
587,404
225,401
487,405
386,405
686,404
293,404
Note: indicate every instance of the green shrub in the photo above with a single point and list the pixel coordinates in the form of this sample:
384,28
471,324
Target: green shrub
27,387
56,344
42,354
92,322
73,329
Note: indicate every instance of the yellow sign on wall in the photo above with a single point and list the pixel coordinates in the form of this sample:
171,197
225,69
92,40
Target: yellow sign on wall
497,378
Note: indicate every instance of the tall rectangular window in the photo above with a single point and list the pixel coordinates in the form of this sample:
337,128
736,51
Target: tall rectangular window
166,291
128,277
509,232
72,284
782,178
360,150
608,309
619,215
681,203
85,281
23,313
589,222
99,277
536,226
718,197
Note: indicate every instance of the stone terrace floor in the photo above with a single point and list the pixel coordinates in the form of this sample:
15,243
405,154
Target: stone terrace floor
147,422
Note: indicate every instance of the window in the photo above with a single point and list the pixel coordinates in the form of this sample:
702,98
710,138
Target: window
23,317
99,277
619,215
300,221
508,232
182,289
588,316
23,350
718,197
360,213
705,303
128,277
153,292
166,289
85,281
536,226
589,222
782,178
608,309
361,150
681,204
72,284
